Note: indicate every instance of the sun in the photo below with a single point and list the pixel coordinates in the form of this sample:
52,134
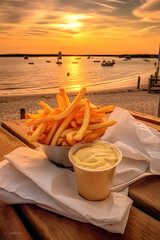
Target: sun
72,22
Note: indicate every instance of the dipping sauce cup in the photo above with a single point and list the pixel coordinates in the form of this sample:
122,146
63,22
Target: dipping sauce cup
94,166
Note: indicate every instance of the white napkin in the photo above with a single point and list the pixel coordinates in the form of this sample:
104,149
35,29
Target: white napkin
28,172
26,176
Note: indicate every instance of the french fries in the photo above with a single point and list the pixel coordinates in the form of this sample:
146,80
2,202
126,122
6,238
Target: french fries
70,122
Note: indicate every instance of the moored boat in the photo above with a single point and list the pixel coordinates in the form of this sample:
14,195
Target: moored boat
59,57
104,63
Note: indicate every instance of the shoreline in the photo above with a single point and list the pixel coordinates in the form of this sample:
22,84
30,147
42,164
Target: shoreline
138,100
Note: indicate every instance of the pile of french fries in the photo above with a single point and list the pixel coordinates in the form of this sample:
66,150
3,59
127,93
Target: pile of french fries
69,123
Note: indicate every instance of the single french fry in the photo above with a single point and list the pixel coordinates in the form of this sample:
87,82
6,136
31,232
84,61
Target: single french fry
52,132
105,109
60,101
70,139
92,120
64,97
36,134
65,124
31,116
68,130
45,105
71,106
38,121
81,132
102,125
91,105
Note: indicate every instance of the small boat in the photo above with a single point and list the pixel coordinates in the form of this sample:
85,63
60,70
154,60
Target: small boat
59,57
88,57
146,60
96,61
104,63
31,63
127,58
48,61
25,57
68,74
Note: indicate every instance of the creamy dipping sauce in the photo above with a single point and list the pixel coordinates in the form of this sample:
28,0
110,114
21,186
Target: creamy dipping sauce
97,156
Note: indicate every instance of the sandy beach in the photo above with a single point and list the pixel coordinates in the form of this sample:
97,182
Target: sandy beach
134,100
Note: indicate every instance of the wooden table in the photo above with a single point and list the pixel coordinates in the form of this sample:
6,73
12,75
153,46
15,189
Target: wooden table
31,222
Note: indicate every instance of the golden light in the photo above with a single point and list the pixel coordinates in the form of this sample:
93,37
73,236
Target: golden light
70,25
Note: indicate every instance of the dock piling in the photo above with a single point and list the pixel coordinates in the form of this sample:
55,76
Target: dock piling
138,83
22,113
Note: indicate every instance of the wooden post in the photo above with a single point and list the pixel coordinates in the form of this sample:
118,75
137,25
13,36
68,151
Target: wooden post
159,109
149,85
138,83
22,113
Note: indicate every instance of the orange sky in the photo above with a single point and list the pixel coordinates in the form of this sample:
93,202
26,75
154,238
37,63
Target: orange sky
80,27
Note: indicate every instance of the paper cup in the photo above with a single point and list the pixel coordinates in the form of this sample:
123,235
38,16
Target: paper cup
93,184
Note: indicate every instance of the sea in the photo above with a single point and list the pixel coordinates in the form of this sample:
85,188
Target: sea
41,75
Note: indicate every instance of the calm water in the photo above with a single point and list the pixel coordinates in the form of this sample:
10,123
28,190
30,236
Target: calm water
17,77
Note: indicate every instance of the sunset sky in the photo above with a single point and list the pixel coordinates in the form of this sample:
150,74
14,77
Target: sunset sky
80,26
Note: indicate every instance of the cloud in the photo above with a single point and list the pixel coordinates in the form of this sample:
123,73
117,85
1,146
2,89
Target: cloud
149,11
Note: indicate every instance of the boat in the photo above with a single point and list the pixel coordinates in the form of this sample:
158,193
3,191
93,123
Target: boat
25,56
96,61
104,63
59,57
48,61
31,63
88,57
146,60
127,58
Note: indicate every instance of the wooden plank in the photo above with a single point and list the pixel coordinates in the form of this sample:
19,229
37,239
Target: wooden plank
146,195
53,226
11,227
19,129
8,142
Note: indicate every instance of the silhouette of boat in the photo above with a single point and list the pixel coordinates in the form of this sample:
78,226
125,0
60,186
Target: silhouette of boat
59,57
25,56
104,63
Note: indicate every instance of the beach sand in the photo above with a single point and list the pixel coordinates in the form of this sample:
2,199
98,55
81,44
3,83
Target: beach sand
133,99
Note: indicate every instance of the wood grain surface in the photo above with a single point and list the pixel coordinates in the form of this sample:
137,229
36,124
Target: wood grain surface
11,227
50,226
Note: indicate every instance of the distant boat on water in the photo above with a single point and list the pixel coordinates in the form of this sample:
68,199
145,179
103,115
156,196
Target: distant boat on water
31,63
25,56
109,64
96,61
88,57
59,57
146,60
48,61
127,58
